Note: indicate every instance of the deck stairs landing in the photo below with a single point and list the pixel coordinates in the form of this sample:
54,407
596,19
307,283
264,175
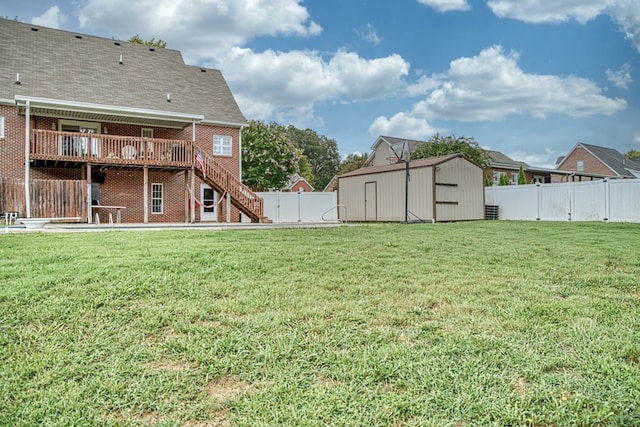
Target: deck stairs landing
223,181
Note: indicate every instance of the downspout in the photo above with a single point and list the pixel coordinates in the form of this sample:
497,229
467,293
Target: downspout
27,160
192,216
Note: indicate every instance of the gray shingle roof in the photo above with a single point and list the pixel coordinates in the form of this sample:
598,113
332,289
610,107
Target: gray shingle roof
612,158
75,67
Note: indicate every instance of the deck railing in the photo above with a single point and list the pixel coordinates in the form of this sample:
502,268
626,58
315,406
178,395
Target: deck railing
115,149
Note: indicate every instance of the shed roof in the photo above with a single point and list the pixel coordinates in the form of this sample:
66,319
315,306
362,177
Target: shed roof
61,65
421,163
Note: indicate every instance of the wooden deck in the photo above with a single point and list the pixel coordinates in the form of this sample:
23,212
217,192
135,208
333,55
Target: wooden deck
64,148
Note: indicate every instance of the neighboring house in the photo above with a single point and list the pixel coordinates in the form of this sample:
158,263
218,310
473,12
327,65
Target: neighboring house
387,150
593,159
445,188
89,122
331,185
297,183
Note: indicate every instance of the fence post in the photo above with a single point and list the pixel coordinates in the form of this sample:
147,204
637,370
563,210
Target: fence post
607,201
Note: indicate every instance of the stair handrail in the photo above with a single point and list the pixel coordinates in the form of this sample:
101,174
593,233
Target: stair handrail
226,180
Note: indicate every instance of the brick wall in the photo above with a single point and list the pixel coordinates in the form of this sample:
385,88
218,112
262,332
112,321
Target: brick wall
12,145
591,164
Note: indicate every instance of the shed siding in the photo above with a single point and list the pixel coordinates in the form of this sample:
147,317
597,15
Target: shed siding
459,191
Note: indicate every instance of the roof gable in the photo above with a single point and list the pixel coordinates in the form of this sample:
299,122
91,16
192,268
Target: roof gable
609,157
80,68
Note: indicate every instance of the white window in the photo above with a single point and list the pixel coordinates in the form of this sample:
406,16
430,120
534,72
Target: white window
222,145
514,178
157,197
580,165
496,178
1,127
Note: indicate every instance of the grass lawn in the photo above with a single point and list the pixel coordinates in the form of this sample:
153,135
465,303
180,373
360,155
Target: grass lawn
465,324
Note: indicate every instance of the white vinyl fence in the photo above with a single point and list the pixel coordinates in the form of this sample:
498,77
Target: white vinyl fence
284,207
616,200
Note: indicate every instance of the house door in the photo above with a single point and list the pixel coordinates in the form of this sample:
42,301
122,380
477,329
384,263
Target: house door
370,201
208,206
82,145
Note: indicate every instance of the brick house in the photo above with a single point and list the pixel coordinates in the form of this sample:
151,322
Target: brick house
296,184
89,125
601,161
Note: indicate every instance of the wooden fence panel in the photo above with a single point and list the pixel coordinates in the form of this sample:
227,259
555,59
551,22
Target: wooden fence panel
49,198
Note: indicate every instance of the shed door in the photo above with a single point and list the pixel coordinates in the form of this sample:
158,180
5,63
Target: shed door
370,201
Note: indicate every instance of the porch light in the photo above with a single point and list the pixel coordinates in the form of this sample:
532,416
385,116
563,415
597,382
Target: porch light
53,125
105,130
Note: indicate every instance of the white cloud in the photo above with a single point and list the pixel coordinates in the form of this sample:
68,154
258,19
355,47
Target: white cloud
491,87
537,11
403,124
52,18
620,78
636,138
370,35
446,5
625,13
199,28
294,81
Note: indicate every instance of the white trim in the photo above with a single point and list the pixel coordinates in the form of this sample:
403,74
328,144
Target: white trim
5,101
1,126
161,198
85,107
221,123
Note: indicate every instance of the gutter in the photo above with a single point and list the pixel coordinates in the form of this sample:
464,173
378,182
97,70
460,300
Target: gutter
85,107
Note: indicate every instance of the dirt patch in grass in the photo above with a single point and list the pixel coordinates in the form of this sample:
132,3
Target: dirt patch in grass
520,386
169,365
226,388
218,419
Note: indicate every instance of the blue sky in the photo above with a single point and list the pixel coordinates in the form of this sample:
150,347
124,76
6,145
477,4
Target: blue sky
530,78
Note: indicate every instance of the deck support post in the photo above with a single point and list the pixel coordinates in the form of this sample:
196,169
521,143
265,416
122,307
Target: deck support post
145,193
27,160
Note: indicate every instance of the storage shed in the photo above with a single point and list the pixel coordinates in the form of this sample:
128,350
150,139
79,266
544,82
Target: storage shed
445,188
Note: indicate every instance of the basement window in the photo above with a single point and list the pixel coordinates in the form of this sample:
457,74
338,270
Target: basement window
1,127
157,198
222,145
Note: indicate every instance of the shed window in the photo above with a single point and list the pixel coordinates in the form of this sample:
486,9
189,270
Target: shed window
222,145
157,198
1,127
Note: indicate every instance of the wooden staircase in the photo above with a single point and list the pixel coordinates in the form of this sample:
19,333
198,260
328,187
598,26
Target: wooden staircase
221,180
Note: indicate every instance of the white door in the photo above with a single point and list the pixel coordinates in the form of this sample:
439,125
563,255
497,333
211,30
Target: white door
208,205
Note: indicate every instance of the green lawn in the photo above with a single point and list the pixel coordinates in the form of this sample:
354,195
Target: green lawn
464,324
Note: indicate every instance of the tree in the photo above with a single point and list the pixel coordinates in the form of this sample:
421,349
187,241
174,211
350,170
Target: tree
320,151
443,145
153,42
352,162
522,179
504,180
633,154
268,156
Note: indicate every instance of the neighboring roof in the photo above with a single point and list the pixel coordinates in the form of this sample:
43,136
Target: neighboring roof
421,163
296,179
500,159
66,66
390,141
331,185
611,158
